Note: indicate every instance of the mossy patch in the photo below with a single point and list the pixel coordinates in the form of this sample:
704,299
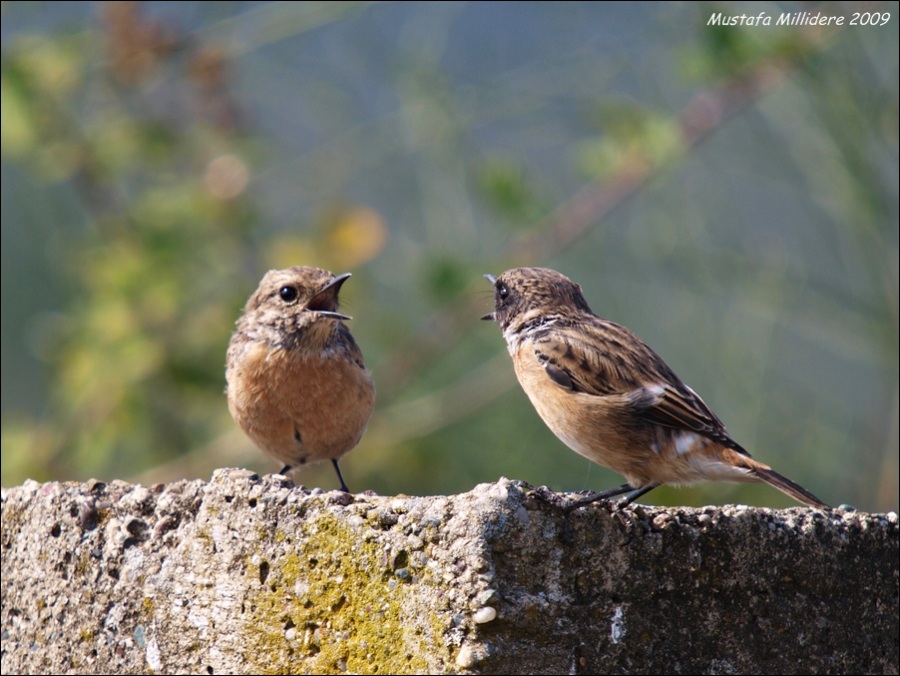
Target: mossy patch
339,602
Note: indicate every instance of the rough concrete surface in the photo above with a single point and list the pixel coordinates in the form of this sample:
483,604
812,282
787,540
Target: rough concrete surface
254,575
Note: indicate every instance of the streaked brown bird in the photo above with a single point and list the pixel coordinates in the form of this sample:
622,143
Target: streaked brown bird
297,384
612,399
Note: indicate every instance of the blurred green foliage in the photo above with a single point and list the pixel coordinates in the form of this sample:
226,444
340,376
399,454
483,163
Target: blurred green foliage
134,378
731,195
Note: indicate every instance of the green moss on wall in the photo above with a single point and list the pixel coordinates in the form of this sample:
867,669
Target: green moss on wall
338,602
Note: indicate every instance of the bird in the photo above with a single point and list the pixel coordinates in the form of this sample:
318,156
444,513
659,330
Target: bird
609,397
296,381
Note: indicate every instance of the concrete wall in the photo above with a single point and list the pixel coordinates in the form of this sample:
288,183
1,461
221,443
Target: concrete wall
246,574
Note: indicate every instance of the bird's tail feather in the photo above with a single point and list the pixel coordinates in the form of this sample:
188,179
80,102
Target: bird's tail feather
786,486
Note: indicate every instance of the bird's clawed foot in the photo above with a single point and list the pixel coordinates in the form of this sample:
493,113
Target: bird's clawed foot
548,497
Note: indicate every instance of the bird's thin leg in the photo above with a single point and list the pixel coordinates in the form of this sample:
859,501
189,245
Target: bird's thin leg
596,497
284,470
631,497
340,476
611,493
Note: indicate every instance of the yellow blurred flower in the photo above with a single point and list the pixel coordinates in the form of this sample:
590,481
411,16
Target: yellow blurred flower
355,237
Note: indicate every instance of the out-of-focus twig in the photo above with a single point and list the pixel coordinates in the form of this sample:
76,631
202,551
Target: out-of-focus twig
707,112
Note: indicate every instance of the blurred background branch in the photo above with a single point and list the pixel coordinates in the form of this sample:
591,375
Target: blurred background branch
157,160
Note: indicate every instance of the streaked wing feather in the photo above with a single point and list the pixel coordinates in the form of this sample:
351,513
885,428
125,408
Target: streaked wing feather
602,358
681,408
590,355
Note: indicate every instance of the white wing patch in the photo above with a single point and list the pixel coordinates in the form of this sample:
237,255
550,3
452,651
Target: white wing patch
685,442
657,391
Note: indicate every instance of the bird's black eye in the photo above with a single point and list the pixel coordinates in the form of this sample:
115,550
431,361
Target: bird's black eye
288,294
503,291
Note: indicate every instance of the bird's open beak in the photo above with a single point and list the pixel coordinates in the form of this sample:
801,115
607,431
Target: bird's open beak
493,280
325,302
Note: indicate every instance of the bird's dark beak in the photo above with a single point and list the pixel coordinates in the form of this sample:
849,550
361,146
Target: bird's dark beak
493,280
325,302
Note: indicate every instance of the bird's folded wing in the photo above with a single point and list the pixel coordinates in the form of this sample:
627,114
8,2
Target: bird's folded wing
603,358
